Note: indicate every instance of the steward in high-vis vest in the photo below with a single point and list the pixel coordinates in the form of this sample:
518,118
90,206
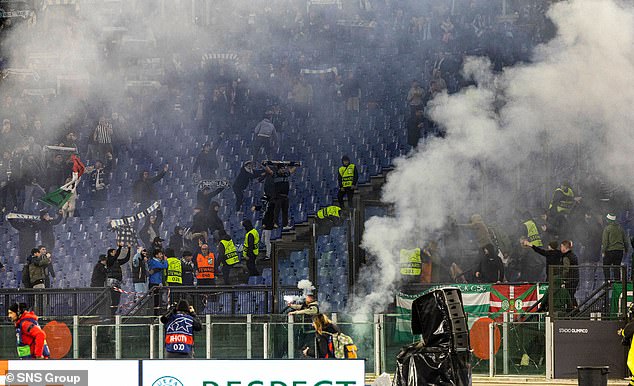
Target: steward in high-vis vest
348,177
411,265
532,231
227,256
180,324
563,199
251,247
174,272
205,266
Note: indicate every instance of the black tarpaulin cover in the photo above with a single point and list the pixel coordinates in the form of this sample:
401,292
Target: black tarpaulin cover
434,360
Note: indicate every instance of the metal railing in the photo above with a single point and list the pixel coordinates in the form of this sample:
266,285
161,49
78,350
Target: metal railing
59,302
378,337
603,299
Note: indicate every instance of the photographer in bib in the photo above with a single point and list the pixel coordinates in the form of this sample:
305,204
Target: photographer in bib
180,324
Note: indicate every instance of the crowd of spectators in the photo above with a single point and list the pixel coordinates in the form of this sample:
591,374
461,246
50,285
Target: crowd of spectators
296,66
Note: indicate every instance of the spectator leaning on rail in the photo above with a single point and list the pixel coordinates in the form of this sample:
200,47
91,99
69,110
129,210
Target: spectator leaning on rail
181,322
31,339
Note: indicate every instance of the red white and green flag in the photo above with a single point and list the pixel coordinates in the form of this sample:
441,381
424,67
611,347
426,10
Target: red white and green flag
512,298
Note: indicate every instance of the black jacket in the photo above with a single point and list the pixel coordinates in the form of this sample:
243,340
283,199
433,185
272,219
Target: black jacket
321,342
47,236
143,190
114,264
26,235
99,275
207,163
490,267
214,222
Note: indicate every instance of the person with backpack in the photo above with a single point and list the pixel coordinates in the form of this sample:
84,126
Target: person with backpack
31,339
330,342
324,331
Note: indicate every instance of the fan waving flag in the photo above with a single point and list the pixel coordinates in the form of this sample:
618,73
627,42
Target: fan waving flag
512,298
61,195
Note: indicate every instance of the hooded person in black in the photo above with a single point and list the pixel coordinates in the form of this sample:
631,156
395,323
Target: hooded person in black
242,181
490,269
143,191
176,241
100,272
26,235
206,163
115,275
45,226
214,222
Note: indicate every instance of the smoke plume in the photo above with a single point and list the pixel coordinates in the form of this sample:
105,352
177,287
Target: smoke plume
575,96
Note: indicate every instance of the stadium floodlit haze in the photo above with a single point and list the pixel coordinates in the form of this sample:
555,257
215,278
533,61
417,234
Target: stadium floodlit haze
517,98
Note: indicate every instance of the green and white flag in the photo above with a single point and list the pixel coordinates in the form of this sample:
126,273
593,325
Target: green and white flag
475,299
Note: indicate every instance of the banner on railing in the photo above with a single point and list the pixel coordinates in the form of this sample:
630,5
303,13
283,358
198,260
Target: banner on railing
489,300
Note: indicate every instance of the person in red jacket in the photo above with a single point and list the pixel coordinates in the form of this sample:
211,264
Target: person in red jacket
31,339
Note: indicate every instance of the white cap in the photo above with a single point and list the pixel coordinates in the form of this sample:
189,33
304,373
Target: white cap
611,217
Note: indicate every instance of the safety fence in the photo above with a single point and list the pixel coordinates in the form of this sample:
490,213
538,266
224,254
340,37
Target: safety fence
518,345
587,291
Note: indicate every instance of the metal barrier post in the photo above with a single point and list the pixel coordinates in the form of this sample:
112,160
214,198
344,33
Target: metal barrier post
161,335
377,344
291,337
117,336
505,343
151,341
208,335
549,349
265,343
383,342
93,341
249,337
492,350
75,336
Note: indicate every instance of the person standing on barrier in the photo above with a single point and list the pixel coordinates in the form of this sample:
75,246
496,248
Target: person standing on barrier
181,322
156,265
613,246
31,339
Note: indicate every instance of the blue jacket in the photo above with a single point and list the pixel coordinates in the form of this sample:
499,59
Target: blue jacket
155,269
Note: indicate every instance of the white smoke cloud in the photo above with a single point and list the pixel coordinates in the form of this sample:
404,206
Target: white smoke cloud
575,96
